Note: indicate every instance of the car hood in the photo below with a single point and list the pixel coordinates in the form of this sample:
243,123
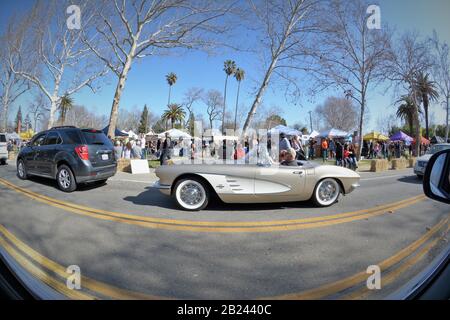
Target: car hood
425,157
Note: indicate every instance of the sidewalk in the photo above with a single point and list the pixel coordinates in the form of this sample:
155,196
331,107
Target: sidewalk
147,178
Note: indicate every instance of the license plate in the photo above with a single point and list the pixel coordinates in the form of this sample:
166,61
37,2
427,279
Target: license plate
105,157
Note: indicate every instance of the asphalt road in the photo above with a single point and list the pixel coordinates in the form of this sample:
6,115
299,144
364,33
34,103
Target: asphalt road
130,241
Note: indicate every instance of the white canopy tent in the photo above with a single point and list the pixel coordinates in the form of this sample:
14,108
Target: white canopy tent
286,130
175,134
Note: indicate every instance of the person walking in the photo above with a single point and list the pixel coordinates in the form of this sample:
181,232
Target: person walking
165,150
332,148
118,149
284,143
312,143
324,146
126,154
339,154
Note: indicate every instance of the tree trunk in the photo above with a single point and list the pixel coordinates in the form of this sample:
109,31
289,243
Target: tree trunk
170,90
361,122
446,120
5,103
224,105
117,95
417,129
425,108
53,108
259,96
236,109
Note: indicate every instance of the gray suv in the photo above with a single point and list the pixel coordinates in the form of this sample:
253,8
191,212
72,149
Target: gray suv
70,155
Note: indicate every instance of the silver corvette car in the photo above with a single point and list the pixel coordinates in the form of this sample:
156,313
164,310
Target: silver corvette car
192,185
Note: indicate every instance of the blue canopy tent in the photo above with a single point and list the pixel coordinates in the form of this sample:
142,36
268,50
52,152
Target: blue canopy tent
117,132
401,136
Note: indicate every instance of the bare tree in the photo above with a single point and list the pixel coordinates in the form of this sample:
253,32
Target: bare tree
214,106
407,60
37,110
131,30
191,96
340,113
351,56
63,63
11,85
441,72
283,26
82,117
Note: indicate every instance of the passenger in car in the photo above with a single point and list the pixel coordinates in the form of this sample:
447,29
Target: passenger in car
290,159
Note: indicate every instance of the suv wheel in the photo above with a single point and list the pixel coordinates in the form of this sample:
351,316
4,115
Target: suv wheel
66,179
21,170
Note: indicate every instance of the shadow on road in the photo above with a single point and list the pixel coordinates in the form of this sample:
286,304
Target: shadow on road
53,183
152,197
411,179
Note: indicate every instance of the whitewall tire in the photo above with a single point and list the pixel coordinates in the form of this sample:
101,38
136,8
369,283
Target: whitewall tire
327,192
191,194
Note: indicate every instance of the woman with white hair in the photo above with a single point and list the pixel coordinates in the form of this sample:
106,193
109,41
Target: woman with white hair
290,158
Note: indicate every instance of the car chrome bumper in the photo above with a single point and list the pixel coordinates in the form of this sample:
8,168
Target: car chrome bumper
163,188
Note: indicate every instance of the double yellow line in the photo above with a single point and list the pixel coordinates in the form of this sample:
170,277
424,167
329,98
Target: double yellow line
391,269
55,275
211,226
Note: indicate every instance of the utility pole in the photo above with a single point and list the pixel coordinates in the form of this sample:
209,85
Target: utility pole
310,121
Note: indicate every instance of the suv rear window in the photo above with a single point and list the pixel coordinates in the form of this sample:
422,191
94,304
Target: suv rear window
2,138
95,137
71,137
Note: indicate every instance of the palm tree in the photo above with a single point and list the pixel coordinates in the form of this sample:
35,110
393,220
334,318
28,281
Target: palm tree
65,105
171,80
229,66
406,111
426,90
174,113
239,75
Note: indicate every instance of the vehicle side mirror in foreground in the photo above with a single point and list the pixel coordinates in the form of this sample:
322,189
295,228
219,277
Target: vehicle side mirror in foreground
436,180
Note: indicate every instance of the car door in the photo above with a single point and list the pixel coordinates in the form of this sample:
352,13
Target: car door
48,152
277,183
32,155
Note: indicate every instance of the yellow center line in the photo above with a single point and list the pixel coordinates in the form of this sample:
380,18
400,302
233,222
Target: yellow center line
42,276
209,226
88,283
349,282
393,275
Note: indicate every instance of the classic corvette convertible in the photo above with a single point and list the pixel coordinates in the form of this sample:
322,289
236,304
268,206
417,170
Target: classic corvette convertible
192,185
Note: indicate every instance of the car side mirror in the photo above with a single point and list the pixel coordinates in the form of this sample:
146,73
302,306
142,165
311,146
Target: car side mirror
436,180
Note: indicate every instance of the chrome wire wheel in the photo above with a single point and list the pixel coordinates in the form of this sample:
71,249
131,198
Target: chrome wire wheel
191,194
327,192
64,178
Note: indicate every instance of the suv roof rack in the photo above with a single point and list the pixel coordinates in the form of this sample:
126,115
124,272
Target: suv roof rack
62,127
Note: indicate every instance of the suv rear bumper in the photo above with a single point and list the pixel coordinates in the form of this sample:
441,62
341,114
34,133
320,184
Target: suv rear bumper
95,174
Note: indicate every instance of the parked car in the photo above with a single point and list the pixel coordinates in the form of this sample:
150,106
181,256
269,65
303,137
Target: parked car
3,149
192,185
70,155
421,163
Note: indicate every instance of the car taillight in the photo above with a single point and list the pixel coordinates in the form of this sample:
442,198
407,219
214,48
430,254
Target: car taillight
83,152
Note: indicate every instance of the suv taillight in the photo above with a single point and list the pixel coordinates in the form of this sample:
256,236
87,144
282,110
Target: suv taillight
83,152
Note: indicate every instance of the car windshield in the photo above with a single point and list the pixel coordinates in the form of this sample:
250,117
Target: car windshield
436,148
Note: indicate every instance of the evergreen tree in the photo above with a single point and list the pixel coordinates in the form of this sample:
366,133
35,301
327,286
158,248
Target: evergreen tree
143,124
